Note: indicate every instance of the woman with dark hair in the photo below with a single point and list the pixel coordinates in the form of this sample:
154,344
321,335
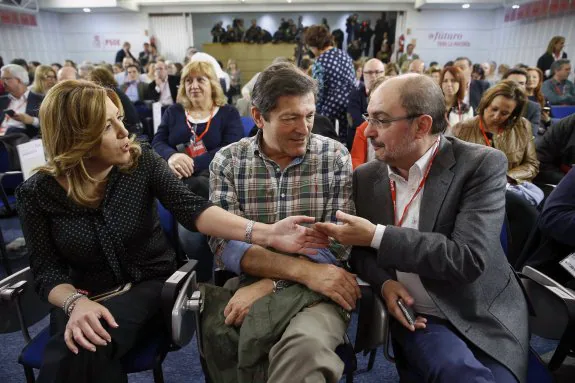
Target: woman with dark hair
553,53
499,124
452,82
334,72
103,77
478,73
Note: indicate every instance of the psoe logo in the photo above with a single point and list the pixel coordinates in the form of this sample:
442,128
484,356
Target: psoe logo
445,36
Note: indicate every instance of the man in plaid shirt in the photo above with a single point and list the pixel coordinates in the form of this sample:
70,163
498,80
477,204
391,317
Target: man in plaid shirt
286,170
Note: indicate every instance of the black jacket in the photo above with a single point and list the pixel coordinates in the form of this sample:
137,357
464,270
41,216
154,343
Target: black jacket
476,90
173,83
32,109
545,61
357,105
556,151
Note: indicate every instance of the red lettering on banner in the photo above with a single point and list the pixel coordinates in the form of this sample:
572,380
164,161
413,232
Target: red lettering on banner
111,43
14,18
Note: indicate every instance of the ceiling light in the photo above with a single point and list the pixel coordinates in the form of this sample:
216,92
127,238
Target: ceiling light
87,10
465,6
515,6
289,1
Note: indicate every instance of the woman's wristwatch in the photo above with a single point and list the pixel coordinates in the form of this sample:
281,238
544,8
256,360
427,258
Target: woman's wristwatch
280,284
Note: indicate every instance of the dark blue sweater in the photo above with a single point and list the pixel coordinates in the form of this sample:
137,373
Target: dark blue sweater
558,216
226,127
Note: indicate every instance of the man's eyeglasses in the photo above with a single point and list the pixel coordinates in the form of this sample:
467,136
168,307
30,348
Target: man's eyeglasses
380,123
373,72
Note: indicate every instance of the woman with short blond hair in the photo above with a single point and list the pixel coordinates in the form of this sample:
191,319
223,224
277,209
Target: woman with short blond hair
90,223
44,79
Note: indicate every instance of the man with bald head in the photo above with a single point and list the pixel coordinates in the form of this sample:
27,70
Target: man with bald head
67,73
416,66
430,213
357,105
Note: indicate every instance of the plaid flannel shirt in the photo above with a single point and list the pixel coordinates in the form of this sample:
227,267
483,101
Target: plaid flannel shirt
244,181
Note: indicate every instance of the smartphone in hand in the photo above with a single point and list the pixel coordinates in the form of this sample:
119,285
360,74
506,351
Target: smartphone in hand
407,311
10,112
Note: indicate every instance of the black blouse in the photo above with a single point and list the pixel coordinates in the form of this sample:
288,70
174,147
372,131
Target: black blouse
121,241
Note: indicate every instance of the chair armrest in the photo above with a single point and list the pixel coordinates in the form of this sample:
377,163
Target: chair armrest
373,322
176,307
12,292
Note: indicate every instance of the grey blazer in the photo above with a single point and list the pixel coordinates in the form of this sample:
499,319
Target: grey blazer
456,251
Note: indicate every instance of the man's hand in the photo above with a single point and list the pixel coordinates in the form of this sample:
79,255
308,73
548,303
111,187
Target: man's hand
239,306
334,282
24,118
84,327
391,292
181,164
355,231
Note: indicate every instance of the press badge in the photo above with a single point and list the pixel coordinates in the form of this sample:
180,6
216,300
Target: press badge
568,264
197,149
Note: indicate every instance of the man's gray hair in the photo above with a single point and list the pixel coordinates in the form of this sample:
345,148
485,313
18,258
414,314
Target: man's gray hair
558,64
421,95
277,80
18,72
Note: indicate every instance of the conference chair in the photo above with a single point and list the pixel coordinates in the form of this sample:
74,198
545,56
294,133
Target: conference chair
370,311
21,307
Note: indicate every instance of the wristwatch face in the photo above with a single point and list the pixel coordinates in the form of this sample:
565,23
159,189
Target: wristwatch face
281,284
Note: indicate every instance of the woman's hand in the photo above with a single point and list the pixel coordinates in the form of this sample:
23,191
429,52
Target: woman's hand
289,236
84,327
181,164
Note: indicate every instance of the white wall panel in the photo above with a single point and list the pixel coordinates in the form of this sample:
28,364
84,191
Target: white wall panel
41,43
526,40
173,35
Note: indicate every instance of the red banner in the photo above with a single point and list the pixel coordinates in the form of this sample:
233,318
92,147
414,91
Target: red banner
15,18
540,8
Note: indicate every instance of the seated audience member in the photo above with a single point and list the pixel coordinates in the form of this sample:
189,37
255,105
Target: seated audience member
435,74
194,129
70,63
44,79
384,54
558,90
165,87
438,249
408,56
84,70
553,53
145,56
310,314
361,150
122,76
557,225
94,171
56,67
475,88
489,75
124,52
132,86
218,32
354,50
477,73
556,151
117,68
333,69
391,70
252,33
501,70
357,105
104,77
499,125
416,66
150,75
532,111
67,73
533,91
23,102
236,80
453,87
264,36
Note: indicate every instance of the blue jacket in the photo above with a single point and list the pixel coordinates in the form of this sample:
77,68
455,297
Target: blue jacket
226,127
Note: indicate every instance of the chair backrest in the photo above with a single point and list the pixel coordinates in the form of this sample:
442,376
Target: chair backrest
248,124
33,308
31,156
561,111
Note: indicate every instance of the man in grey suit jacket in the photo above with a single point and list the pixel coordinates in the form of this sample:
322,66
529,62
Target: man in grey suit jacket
430,213
532,110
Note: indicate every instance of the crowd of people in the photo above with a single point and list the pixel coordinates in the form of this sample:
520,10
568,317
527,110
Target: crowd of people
406,170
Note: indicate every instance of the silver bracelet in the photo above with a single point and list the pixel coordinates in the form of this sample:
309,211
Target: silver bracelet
70,300
249,230
72,305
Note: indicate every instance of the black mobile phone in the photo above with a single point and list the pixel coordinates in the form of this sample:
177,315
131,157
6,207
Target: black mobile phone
407,311
10,112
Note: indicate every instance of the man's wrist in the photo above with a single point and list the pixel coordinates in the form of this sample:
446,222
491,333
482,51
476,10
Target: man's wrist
377,236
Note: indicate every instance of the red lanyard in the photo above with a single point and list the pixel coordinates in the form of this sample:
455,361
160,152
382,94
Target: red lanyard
193,130
558,90
487,142
421,184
